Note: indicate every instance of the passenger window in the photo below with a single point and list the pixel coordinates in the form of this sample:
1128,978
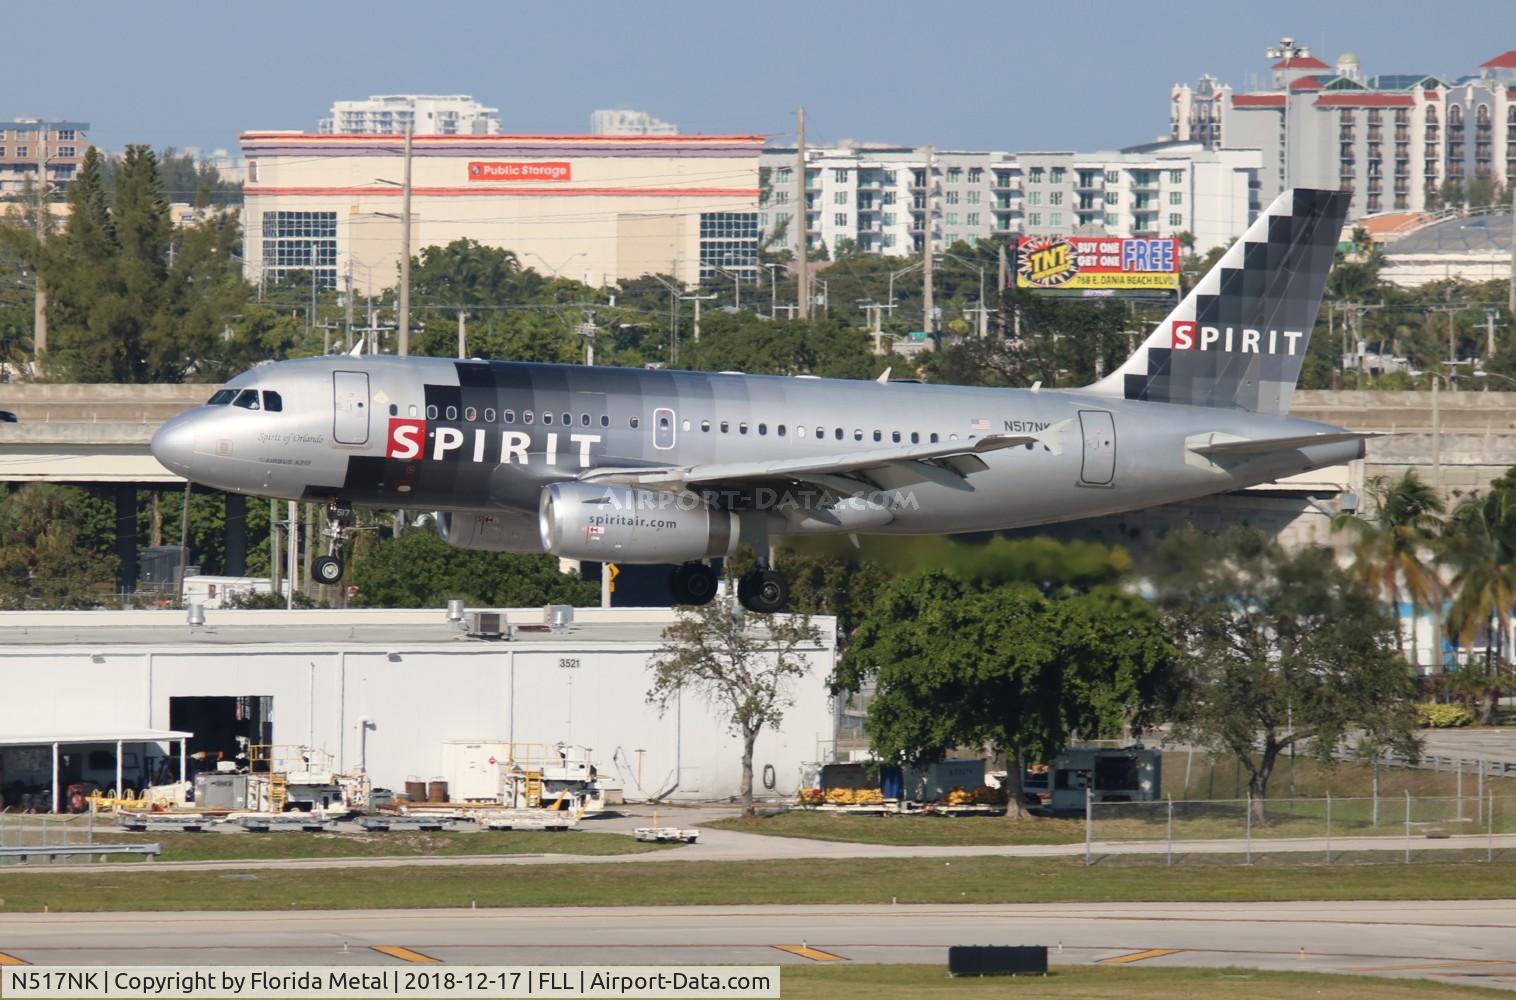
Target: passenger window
568,420
705,425
878,436
272,402
800,432
547,416
221,397
725,427
247,399
471,415
857,434
489,414
820,433
686,425
663,423
509,415
605,420
839,434
411,409
635,422
781,430
431,413
527,416
763,429
915,437
934,437
452,413
742,428
394,408
895,436
584,419
952,437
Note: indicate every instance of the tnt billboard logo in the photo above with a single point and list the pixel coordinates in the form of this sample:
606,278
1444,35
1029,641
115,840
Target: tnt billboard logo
1186,335
405,438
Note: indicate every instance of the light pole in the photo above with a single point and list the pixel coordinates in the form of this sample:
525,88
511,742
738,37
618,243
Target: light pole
773,289
900,273
674,292
980,268
1484,374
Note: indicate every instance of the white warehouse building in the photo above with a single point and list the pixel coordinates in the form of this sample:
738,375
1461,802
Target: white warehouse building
377,691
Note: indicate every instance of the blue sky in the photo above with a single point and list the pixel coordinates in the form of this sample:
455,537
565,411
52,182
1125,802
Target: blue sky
959,73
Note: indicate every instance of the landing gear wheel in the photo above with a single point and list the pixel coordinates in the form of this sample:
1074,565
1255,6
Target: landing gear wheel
326,570
694,583
764,591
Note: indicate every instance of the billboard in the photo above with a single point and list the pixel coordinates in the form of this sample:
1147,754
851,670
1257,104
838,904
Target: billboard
1098,263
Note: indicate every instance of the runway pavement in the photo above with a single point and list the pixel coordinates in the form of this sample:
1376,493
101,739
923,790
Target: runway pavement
1472,942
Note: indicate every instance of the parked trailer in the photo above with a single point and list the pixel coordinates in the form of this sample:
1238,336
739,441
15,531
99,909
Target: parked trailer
665,835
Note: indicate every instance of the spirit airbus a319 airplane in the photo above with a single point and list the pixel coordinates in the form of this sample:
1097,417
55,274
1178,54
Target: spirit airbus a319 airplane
651,466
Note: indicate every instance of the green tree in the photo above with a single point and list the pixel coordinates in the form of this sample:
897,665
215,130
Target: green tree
1279,650
1479,545
44,560
742,665
1393,552
419,570
958,661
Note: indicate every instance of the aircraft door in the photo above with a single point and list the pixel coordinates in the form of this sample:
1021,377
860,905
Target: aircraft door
351,406
663,428
1099,432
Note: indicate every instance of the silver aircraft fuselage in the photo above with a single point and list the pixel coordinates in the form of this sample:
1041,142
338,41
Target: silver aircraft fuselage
488,436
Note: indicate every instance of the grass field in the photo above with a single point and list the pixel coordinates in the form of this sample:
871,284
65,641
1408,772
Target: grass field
885,982
667,882
936,831
1203,776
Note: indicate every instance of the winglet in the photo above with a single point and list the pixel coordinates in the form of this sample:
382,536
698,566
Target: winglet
1052,437
357,350
884,376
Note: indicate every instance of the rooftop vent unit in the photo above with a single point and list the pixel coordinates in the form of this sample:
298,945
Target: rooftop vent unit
486,624
559,616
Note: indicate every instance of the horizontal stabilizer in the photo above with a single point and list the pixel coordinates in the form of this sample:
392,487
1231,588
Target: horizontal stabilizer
1226,444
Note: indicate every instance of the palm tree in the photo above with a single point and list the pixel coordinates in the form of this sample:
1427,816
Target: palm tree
1480,544
1392,552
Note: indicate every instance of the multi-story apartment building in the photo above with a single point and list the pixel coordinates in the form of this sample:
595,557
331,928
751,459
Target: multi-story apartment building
26,142
625,121
427,114
1393,140
882,201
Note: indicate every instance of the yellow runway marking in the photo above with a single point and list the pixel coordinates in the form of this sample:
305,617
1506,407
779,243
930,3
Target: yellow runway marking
12,960
815,955
1139,956
404,954
1418,966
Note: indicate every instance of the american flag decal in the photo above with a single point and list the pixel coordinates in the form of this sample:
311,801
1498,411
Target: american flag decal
980,424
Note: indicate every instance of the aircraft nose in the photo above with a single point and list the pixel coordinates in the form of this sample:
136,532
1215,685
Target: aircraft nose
174,445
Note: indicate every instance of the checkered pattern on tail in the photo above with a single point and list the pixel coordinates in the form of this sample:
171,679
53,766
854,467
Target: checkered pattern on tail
1239,339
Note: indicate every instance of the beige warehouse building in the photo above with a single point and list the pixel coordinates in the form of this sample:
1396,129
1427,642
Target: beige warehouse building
598,209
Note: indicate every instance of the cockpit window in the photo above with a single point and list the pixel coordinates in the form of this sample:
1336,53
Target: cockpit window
272,402
247,399
221,397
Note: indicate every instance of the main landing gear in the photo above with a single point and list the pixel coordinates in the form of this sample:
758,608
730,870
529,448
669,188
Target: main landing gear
764,591
327,569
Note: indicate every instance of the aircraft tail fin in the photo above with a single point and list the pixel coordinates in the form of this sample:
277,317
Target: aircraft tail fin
1238,340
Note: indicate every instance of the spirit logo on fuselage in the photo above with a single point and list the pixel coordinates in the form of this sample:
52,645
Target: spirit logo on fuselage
408,439
1188,336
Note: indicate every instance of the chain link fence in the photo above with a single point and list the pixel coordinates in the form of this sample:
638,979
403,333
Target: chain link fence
33,830
1329,828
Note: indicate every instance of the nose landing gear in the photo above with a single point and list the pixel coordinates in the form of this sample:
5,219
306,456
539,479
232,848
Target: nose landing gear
327,569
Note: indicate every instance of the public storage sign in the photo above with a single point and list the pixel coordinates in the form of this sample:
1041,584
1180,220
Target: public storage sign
536,170
1097,262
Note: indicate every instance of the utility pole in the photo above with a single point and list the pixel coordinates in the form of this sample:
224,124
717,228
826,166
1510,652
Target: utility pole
926,248
39,305
803,217
348,337
697,299
405,250
1489,332
1000,290
462,334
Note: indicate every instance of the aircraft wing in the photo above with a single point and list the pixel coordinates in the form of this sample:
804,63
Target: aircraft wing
1222,445
957,458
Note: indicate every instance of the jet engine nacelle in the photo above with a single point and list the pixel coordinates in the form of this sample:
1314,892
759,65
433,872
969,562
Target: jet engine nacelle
496,531
625,524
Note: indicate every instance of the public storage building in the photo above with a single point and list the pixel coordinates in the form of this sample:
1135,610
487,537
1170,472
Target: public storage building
597,209
385,691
